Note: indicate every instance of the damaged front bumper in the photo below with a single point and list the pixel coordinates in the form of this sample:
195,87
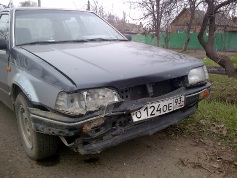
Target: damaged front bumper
112,125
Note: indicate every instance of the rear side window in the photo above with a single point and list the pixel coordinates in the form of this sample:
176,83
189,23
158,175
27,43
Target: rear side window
4,25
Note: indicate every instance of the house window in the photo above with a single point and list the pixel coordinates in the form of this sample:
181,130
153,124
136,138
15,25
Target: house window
220,31
180,30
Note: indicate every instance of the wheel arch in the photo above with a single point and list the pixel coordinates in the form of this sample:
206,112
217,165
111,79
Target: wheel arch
34,90
21,84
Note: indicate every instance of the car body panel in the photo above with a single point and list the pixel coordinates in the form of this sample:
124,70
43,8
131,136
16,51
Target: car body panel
125,64
33,87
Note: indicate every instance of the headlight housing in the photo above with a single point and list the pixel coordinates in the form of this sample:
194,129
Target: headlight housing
197,75
85,100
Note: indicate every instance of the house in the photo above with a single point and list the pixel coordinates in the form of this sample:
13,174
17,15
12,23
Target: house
128,28
181,21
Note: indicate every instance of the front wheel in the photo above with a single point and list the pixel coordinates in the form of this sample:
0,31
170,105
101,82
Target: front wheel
37,146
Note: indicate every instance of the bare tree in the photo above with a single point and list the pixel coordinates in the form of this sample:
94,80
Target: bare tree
28,4
213,8
98,9
111,18
193,5
152,13
2,6
10,4
169,13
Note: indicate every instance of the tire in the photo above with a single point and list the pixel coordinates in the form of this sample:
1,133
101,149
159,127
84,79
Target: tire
37,146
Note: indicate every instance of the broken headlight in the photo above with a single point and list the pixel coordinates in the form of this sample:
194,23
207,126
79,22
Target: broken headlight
197,75
85,100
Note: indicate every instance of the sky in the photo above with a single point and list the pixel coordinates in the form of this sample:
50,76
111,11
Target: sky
115,6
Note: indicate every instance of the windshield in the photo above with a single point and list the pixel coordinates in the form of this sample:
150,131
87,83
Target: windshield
32,26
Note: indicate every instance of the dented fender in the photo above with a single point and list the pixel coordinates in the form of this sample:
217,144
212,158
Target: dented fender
32,86
26,86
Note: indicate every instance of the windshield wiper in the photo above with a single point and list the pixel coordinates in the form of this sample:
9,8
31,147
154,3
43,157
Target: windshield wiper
105,39
53,41
38,42
71,41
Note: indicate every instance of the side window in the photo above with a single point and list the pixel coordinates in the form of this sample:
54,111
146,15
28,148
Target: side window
4,25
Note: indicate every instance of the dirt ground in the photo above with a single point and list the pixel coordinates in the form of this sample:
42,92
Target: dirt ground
161,155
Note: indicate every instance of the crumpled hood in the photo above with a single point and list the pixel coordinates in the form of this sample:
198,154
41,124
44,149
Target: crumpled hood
114,64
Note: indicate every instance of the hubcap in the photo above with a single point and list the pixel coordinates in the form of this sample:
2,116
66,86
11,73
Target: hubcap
25,126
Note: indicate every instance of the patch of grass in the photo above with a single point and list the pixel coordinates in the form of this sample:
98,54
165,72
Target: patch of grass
215,119
209,63
234,60
216,116
223,89
188,52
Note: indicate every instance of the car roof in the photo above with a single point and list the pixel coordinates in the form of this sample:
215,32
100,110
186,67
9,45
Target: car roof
39,8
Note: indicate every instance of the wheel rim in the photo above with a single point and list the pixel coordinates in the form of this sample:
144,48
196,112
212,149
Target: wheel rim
25,126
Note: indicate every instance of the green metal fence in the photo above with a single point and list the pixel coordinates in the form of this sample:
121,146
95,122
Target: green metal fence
226,41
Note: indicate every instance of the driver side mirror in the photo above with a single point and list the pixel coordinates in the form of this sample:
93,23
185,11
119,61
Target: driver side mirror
129,37
3,44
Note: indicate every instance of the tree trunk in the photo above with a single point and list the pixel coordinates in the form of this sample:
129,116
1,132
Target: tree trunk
158,36
192,9
222,60
167,38
185,46
186,42
158,22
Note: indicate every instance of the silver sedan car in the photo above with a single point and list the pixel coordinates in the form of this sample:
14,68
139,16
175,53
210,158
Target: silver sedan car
69,74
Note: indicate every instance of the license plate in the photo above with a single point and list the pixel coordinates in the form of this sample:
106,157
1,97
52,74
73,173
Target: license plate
158,108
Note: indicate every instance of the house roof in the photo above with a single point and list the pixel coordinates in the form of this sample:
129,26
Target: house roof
221,18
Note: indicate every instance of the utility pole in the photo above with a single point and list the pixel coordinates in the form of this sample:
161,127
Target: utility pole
39,3
88,5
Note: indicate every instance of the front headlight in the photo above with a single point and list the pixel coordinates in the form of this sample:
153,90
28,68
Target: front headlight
85,100
197,75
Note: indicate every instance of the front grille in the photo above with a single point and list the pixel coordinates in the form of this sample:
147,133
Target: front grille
162,88
151,90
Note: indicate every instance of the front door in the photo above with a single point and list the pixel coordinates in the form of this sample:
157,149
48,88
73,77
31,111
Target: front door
4,57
